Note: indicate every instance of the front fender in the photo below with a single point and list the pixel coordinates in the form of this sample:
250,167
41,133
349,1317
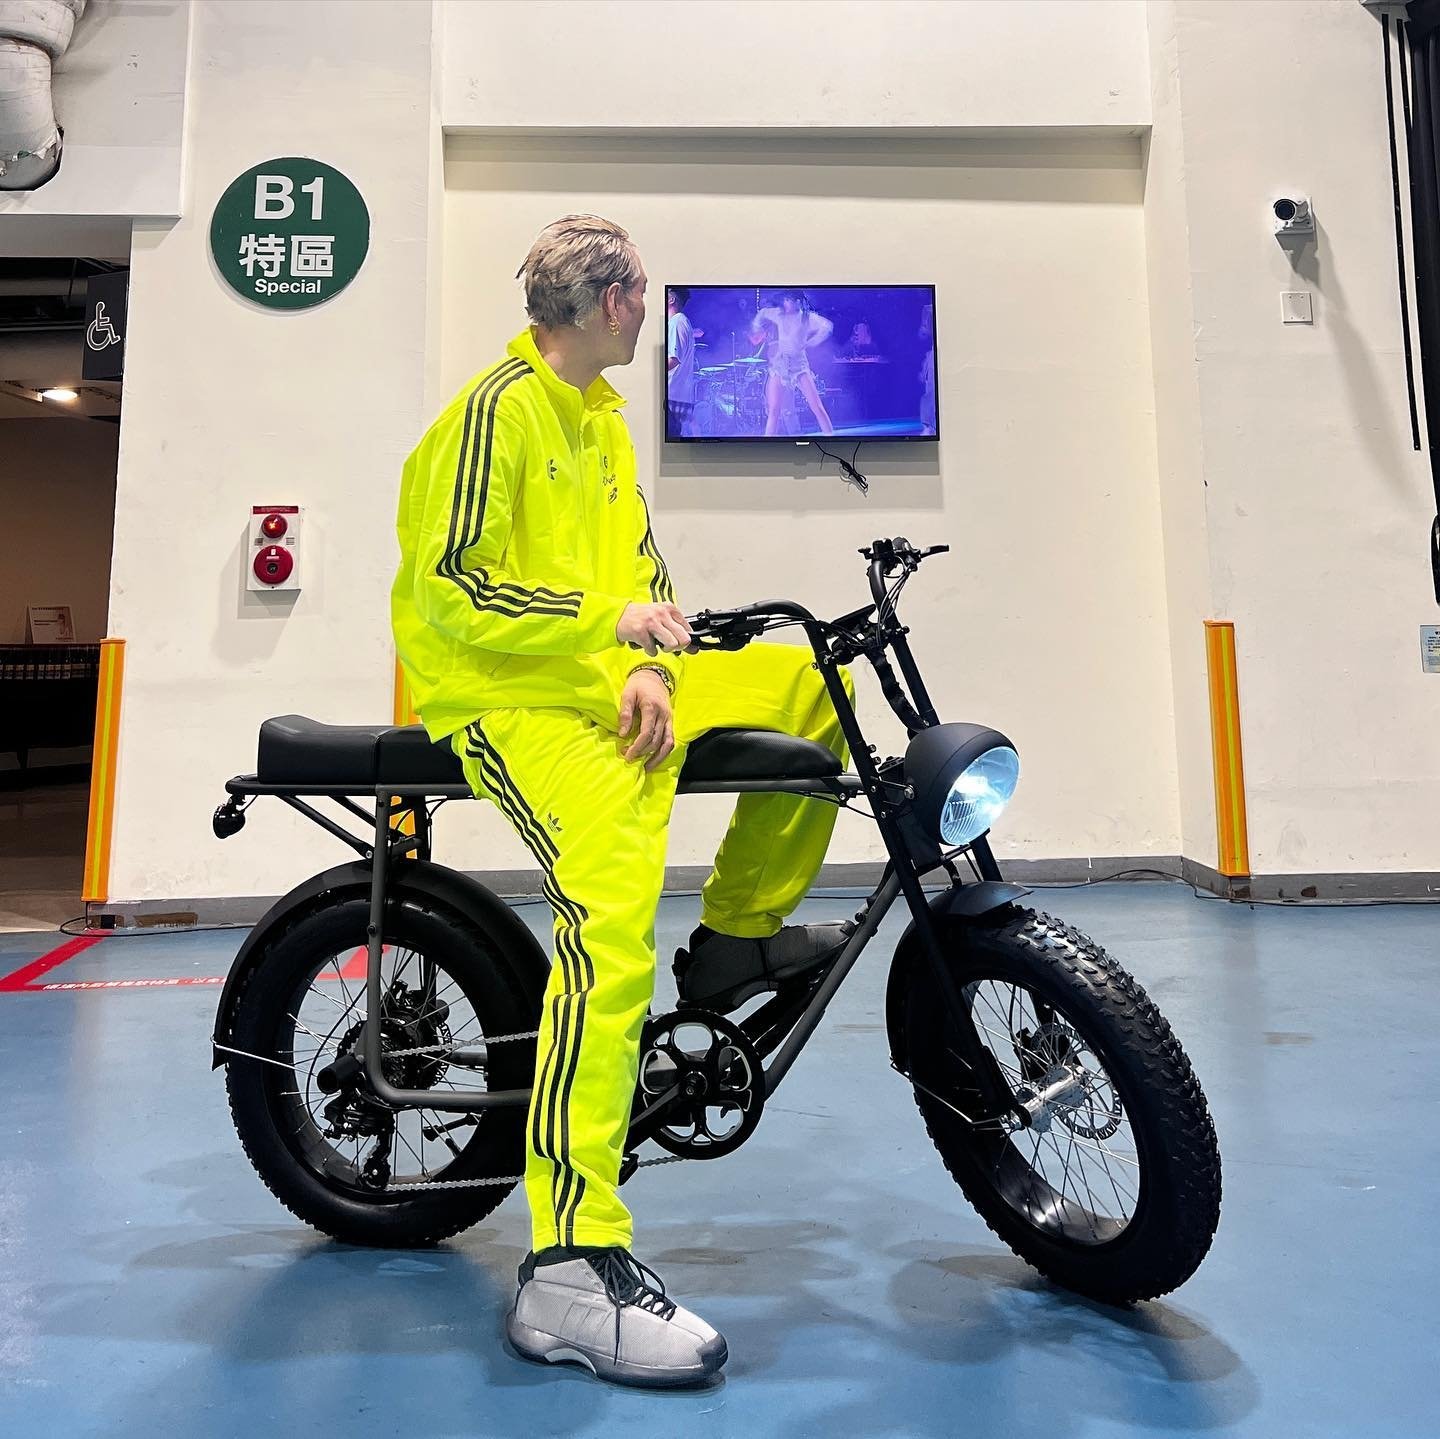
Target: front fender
961,901
435,882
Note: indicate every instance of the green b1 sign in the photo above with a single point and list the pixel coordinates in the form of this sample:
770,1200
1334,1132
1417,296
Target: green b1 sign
290,233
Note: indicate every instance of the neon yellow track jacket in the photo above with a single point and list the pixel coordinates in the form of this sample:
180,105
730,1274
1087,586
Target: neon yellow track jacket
523,536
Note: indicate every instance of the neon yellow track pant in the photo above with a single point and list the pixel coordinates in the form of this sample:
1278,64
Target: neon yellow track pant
596,824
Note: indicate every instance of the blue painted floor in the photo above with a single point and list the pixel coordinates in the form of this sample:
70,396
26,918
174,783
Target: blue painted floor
148,1283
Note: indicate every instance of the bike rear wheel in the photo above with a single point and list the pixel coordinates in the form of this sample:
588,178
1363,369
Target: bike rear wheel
1113,1189
352,1167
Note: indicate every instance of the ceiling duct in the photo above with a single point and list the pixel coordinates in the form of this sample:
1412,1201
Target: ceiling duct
33,35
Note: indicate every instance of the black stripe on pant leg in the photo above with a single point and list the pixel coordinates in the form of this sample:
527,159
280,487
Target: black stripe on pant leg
539,845
567,1210
573,1001
560,1022
570,1065
569,1014
567,1046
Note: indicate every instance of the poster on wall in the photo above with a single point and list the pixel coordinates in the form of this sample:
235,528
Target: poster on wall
49,625
290,234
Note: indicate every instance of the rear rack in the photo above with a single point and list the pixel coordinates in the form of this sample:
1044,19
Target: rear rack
414,801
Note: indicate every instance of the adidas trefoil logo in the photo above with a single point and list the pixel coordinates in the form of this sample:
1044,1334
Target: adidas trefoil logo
552,822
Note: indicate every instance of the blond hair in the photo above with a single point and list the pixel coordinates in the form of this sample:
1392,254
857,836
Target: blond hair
571,264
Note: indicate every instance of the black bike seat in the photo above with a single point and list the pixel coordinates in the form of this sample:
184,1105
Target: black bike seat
301,751
296,750
731,754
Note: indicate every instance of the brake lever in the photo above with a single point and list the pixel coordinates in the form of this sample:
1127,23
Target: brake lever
724,631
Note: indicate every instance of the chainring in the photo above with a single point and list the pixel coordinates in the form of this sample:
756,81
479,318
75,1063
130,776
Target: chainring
720,1077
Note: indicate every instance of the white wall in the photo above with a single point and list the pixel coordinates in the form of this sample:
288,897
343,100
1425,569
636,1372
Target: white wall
1047,618
227,405
1287,499
120,97
57,494
1316,510
714,64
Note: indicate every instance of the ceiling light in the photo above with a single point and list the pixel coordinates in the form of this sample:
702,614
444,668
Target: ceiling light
64,396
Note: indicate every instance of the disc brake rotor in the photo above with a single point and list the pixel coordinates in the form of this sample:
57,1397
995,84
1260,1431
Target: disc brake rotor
1089,1106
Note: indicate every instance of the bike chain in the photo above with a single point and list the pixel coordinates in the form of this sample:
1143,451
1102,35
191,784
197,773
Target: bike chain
505,1179
510,1178
441,1049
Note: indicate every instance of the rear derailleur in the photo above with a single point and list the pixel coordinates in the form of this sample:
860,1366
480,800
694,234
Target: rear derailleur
412,1020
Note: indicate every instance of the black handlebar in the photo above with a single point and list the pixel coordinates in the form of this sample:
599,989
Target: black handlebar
733,629
870,631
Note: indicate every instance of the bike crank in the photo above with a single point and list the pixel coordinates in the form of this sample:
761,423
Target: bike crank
701,1085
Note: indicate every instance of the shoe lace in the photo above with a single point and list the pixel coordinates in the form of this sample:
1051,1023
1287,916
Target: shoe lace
628,1281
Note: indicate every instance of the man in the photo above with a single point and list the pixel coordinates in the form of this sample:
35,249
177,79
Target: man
680,361
529,573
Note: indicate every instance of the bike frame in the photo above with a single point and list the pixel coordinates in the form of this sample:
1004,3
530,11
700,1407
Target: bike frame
784,1024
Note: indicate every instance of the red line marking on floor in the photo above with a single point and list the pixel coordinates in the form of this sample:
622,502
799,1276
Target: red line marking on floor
131,983
22,978
354,967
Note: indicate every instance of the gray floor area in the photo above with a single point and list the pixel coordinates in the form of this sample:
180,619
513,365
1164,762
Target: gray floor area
42,854
151,1284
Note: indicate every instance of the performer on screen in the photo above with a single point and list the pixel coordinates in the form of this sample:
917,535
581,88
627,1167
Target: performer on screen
680,361
926,376
796,329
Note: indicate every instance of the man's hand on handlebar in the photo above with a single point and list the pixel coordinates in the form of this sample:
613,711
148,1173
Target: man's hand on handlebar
653,628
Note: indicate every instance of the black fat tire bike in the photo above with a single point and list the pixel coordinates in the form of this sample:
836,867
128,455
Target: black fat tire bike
377,1028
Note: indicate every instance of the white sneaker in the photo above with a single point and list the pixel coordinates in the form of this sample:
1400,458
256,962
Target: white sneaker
604,1309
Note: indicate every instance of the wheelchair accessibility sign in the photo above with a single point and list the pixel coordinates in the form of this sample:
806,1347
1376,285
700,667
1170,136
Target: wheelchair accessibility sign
290,233
105,308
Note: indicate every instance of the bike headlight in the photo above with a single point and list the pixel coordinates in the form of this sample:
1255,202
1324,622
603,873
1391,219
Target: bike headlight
964,775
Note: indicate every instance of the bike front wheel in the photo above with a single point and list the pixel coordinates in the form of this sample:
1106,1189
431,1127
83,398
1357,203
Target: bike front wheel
1112,1188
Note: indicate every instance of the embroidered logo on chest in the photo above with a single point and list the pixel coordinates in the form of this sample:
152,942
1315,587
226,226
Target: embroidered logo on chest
607,478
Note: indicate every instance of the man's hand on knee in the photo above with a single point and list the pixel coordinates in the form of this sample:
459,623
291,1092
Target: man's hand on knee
645,701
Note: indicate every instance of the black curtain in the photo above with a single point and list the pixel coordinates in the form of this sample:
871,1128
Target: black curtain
1422,32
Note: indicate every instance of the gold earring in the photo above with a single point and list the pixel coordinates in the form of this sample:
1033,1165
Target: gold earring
614,325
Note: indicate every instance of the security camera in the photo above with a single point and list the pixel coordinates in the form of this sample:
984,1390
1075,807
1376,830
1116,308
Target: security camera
1293,217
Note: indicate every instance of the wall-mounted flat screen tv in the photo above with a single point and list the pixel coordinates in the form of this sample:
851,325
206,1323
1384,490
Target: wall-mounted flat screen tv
800,362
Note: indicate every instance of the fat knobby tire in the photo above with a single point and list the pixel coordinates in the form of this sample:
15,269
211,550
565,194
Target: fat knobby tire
1179,1201
334,926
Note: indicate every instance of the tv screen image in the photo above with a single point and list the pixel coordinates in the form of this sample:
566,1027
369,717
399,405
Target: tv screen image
758,362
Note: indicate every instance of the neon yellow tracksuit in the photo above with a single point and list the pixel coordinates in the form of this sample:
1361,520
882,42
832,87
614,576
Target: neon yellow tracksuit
523,537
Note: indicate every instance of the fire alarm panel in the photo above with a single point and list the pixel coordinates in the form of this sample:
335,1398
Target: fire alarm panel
273,556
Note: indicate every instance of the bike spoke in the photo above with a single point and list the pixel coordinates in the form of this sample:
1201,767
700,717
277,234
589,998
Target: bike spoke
324,1044
335,1133
1059,1187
